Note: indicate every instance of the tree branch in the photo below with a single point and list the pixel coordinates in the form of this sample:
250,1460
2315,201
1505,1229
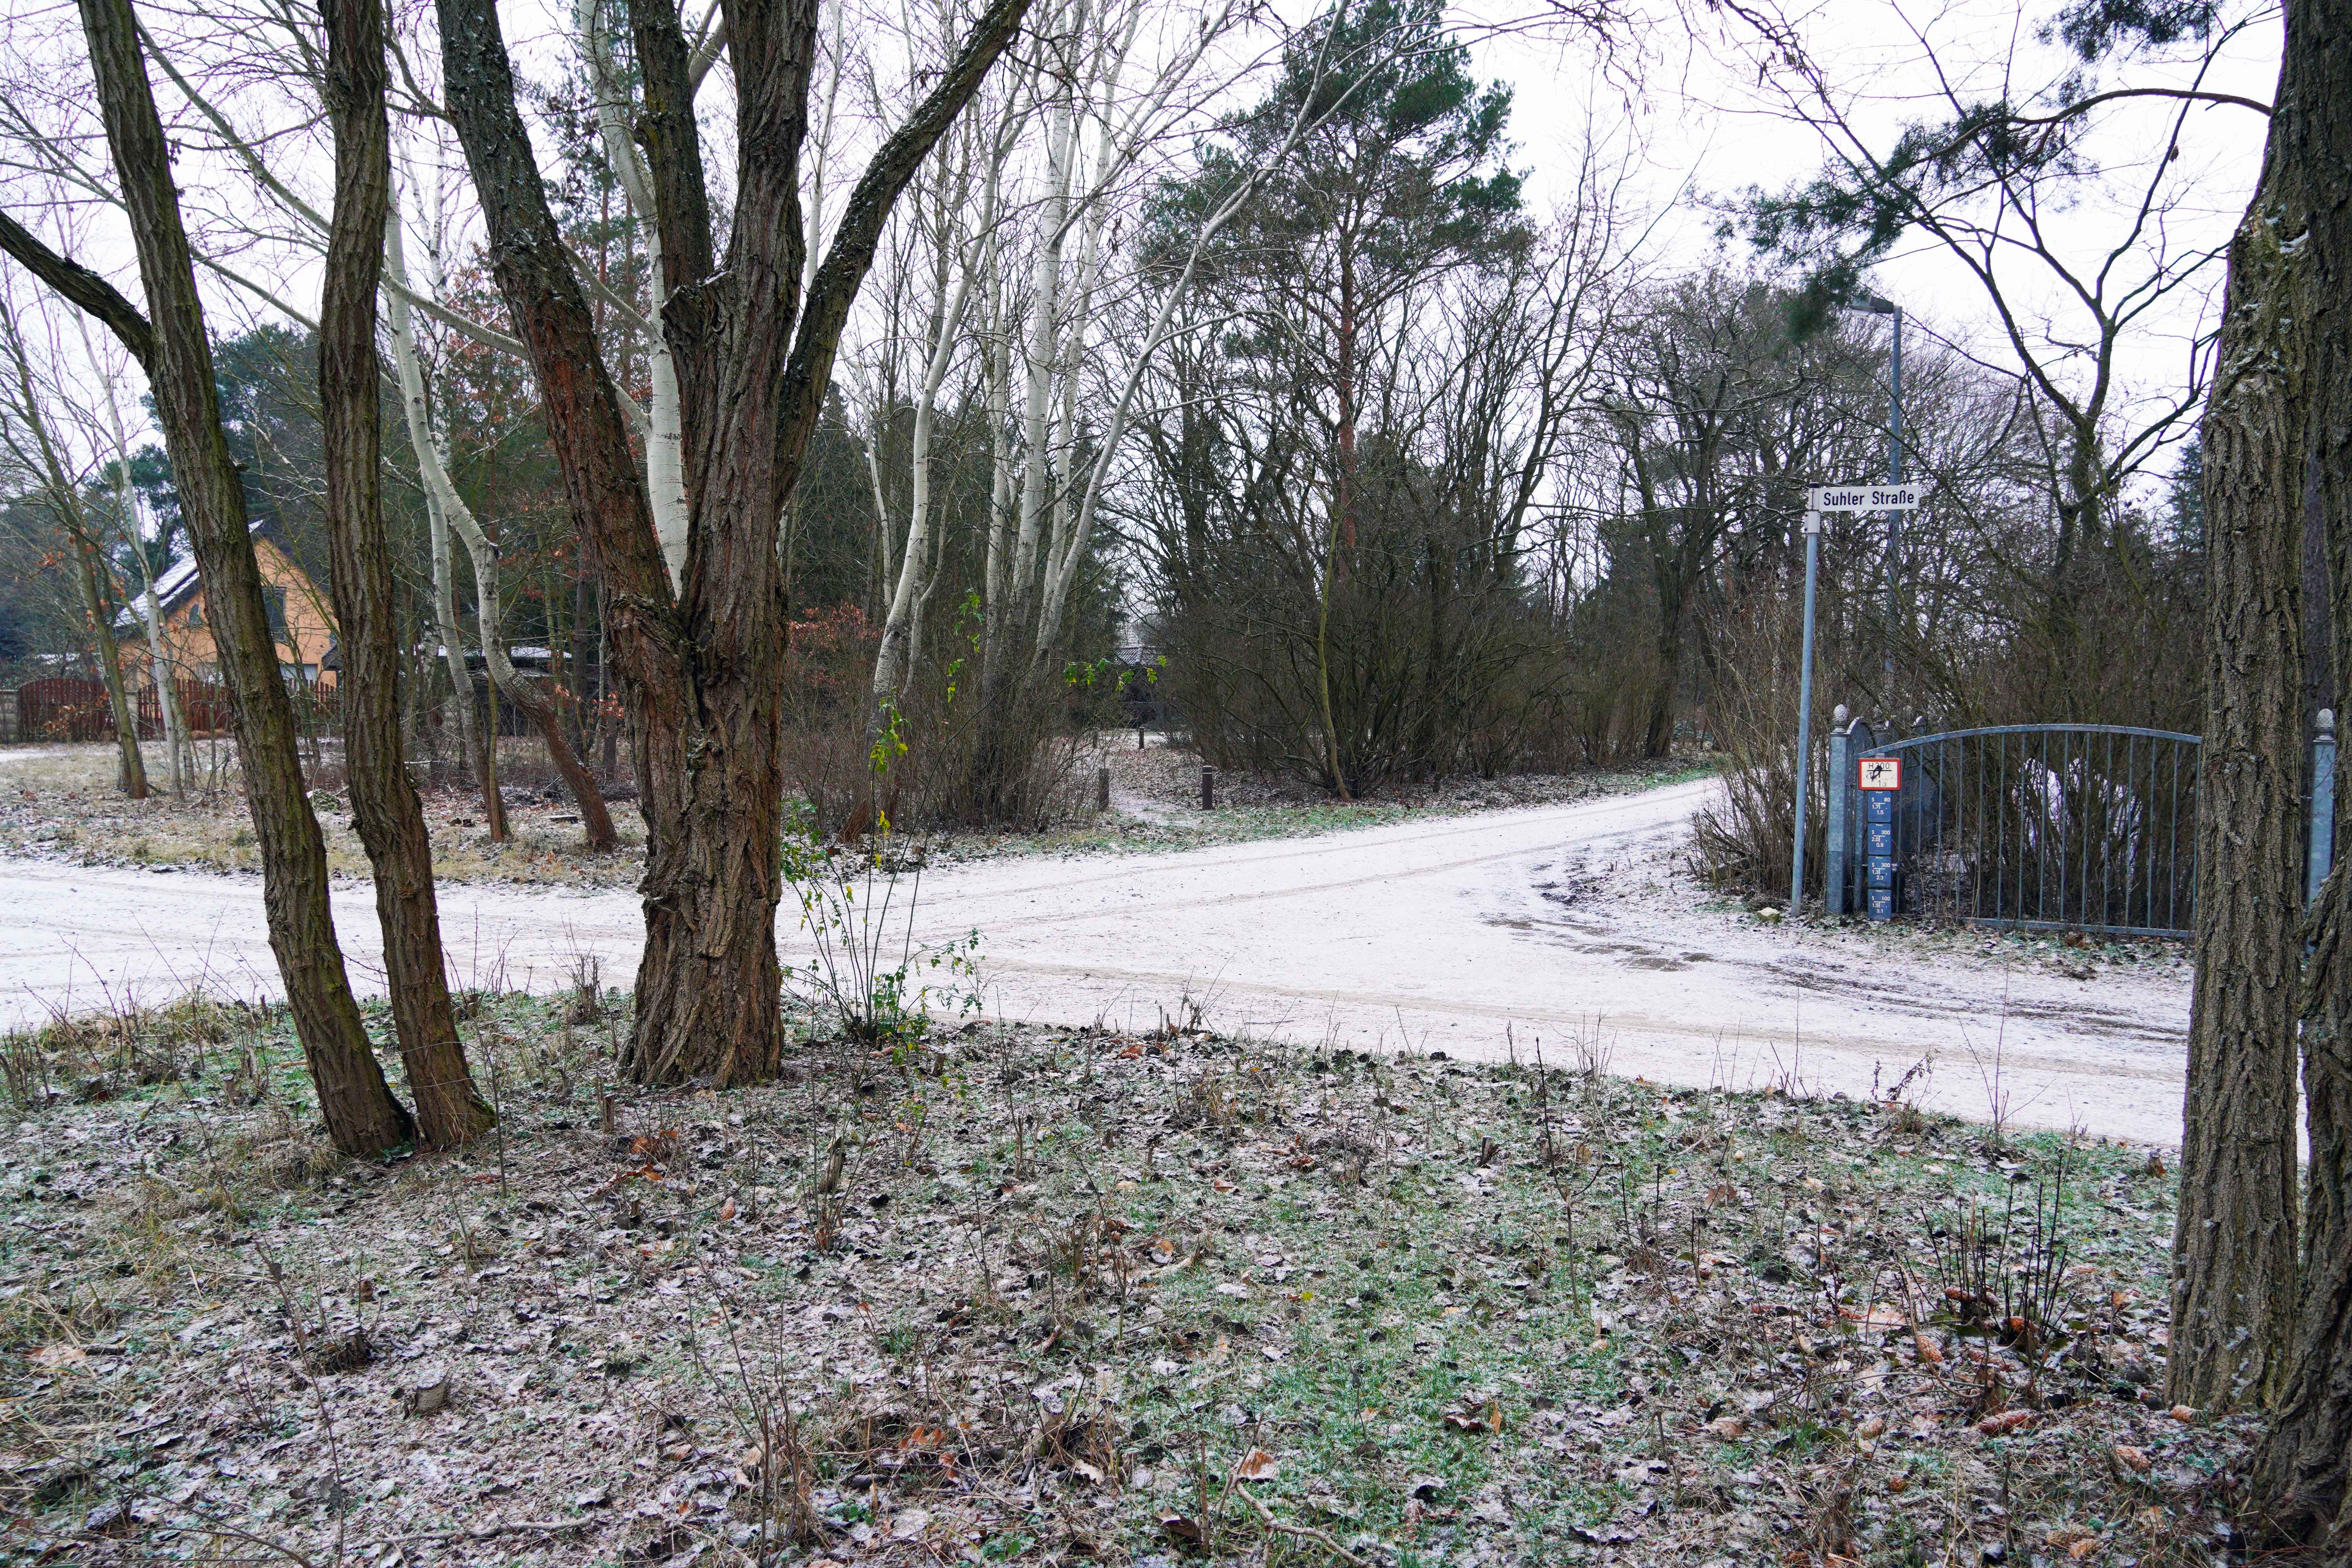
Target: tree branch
80,287
835,290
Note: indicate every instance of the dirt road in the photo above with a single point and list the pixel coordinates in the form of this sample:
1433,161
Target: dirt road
1473,935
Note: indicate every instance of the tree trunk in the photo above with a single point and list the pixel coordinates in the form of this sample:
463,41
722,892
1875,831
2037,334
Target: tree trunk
753,346
179,751
446,509
2301,1486
384,801
2234,1242
583,645
130,768
362,1116
505,680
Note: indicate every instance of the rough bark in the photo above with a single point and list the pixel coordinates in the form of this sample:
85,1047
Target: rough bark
362,1116
391,819
2234,1260
2301,1480
752,344
2302,1473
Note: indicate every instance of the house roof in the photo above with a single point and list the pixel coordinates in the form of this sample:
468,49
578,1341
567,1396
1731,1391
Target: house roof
176,584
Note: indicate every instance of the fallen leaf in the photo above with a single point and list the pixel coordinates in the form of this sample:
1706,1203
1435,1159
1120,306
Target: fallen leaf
1476,1416
56,1358
2183,1413
1876,1318
1182,1530
1605,1535
2007,1421
1258,1465
1872,1428
1930,1354
2132,1459
727,1209
1727,1427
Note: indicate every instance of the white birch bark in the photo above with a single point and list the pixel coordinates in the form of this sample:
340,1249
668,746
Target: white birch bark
441,497
901,628
1037,399
426,440
179,751
1062,570
665,422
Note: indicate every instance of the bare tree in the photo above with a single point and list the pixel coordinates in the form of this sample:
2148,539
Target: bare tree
701,668
383,802
362,1116
29,423
179,748
1998,183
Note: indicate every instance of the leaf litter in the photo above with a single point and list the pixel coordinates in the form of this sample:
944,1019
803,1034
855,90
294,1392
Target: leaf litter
1023,1294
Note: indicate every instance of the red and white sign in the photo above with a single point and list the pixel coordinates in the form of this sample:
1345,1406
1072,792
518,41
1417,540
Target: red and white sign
1881,772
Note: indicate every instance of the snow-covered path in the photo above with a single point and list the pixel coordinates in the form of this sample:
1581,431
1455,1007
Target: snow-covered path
1473,935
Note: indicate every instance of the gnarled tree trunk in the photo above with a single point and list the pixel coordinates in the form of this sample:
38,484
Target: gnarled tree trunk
700,668
384,801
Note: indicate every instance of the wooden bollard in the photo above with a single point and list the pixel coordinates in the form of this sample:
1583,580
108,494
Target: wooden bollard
1208,787
1102,787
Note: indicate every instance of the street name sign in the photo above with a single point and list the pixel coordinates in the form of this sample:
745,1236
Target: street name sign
1864,498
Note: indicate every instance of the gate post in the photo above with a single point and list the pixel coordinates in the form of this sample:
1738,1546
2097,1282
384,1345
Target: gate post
1840,780
2322,858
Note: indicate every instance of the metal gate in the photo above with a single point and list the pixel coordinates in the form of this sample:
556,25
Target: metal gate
2057,827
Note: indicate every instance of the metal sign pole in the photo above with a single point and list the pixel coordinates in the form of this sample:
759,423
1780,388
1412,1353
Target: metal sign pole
1805,708
1893,519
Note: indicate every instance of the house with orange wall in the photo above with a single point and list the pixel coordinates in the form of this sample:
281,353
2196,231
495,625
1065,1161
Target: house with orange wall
299,615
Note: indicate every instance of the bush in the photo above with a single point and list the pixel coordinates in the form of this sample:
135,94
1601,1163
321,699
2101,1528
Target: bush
912,766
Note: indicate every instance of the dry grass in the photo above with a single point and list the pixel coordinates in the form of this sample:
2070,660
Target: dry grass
61,802
1052,1295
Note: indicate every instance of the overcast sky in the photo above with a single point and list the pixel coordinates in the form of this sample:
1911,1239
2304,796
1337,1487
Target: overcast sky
1685,115
1704,130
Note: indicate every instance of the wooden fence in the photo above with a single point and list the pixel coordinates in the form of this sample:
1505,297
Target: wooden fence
73,708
